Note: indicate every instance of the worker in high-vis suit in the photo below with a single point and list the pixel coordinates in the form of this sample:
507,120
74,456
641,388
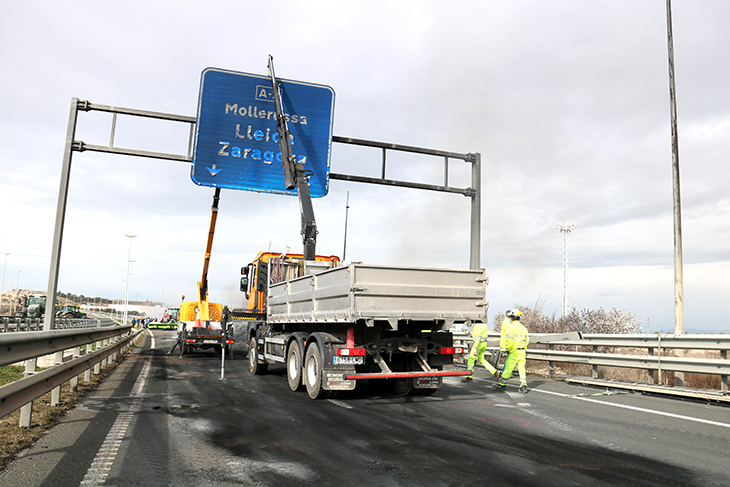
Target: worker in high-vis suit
513,342
479,335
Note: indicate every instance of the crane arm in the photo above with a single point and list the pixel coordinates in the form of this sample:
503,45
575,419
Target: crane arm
294,174
203,284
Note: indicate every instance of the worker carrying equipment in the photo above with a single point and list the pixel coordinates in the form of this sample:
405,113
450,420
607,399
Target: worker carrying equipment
478,349
513,341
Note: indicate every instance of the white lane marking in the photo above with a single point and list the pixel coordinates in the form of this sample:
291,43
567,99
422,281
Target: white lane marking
339,403
153,337
101,464
141,380
643,410
104,459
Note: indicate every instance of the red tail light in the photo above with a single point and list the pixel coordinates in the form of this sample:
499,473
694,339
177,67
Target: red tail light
229,342
191,340
351,352
452,350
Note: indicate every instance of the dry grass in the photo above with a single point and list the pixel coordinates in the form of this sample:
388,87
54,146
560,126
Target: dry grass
14,438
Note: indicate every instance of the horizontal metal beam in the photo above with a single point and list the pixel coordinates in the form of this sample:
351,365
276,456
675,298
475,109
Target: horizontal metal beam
88,106
81,146
403,184
24,345
16,394
404,148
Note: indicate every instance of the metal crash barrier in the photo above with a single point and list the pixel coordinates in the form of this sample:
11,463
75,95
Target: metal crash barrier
108,343
578,348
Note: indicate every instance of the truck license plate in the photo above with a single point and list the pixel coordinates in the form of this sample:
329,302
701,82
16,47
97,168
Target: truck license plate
349,360
213,342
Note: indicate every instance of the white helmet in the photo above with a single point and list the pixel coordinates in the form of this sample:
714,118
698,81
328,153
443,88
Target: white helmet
514,313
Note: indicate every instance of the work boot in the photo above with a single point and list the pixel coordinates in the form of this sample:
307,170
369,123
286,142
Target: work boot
499,386
467,379
523,388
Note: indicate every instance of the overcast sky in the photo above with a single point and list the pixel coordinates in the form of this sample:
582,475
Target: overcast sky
567,102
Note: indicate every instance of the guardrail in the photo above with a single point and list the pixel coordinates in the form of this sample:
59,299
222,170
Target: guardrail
14,323
588,352
106,342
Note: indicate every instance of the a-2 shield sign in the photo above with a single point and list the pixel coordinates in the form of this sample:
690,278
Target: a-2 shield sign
236,140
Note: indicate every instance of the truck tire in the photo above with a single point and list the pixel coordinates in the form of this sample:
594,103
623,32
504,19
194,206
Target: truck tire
294,366
313,372
254,366
403,386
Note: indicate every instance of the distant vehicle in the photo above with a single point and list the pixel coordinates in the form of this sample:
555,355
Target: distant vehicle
171,315
31,306
70,311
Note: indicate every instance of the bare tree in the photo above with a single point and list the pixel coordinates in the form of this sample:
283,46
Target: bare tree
586,321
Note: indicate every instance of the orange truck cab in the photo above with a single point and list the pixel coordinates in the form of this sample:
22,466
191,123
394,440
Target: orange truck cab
272,267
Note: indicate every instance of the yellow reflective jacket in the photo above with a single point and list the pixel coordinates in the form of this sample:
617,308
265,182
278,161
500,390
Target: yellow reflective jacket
513,336
480,332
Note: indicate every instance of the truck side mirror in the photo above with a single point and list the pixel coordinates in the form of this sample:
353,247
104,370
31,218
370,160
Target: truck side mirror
244,285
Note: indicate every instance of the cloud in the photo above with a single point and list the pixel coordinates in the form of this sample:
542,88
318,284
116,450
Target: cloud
567,102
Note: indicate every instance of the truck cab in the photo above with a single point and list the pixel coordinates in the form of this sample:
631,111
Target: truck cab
274,267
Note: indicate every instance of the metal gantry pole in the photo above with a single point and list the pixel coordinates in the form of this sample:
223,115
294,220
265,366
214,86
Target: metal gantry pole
60,217
476,212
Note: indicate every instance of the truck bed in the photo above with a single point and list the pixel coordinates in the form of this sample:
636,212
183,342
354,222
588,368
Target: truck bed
380,293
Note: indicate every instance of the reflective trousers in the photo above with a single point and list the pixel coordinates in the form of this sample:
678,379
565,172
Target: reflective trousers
477,352
516,357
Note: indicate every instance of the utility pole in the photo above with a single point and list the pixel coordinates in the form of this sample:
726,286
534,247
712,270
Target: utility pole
2,288
678,266
565,229
347,212
17,295
126,292
678,278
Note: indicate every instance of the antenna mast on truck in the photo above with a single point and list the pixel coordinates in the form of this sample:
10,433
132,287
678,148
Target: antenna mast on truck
294,174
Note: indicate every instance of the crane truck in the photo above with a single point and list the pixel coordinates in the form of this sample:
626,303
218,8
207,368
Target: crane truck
332,324
203,324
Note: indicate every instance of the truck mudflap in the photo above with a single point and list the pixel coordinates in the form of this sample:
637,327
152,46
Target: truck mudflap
336,381
403,375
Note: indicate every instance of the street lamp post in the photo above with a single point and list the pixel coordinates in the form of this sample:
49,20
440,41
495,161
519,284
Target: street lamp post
565,229
126,292
17,288
2,288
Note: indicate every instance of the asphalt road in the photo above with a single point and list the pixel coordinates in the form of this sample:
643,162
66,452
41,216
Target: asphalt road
164,420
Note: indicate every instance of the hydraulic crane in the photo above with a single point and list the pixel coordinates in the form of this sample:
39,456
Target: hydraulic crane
294,174
203,308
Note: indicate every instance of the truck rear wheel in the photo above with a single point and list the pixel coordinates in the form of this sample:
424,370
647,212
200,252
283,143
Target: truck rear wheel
313,372
403,386
294,366
254,366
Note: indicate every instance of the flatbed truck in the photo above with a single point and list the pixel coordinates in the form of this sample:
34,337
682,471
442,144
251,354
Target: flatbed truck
332,325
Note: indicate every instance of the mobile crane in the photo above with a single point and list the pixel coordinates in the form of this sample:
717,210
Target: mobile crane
203,324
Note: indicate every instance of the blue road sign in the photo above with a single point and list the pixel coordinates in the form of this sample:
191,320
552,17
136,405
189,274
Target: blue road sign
236,141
